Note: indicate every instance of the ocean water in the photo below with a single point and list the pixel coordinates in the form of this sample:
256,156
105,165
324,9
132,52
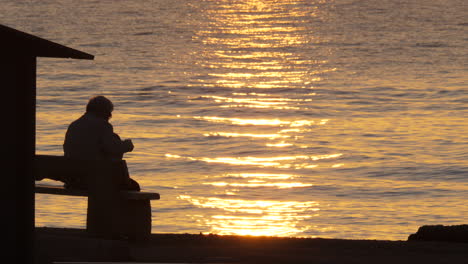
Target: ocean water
306,118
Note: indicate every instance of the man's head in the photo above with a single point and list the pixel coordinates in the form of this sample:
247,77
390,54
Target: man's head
100,106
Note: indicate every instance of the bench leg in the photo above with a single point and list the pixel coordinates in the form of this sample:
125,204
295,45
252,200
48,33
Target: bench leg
102,218
119,219
136,219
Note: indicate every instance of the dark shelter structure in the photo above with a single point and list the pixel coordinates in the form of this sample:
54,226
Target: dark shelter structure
19,52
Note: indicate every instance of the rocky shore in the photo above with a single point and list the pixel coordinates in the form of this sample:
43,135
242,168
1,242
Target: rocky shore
456,233
57,244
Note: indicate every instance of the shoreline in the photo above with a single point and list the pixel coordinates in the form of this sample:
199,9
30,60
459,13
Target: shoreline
67,244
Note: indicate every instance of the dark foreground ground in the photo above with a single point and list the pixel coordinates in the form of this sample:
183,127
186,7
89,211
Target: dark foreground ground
53,244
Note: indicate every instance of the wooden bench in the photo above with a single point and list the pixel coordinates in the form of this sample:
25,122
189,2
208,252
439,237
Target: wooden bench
112,212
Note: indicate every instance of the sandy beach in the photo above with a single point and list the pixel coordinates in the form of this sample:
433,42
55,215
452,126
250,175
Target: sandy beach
58,244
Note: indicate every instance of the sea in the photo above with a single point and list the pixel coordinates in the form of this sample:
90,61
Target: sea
294,118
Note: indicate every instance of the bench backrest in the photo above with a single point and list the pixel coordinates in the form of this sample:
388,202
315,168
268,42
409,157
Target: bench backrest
81,174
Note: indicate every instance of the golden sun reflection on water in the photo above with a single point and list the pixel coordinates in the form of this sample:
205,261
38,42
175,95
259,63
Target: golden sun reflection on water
261,122
255,102
258,183
254,217
252,135
279,144
278,162
248,44
275,176
252,46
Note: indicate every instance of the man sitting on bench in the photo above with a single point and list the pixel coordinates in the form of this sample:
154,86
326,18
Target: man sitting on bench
92,137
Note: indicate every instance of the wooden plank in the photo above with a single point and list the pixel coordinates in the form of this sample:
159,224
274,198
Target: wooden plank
59,190
135,195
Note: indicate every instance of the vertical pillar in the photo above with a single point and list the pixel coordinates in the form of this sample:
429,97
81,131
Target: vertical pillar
18,79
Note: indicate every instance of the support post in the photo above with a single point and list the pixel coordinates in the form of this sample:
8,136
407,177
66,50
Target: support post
18,77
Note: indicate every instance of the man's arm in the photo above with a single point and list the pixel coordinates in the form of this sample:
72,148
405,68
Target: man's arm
112,143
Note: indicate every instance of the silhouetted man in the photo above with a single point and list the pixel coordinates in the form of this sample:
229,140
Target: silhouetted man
92,137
